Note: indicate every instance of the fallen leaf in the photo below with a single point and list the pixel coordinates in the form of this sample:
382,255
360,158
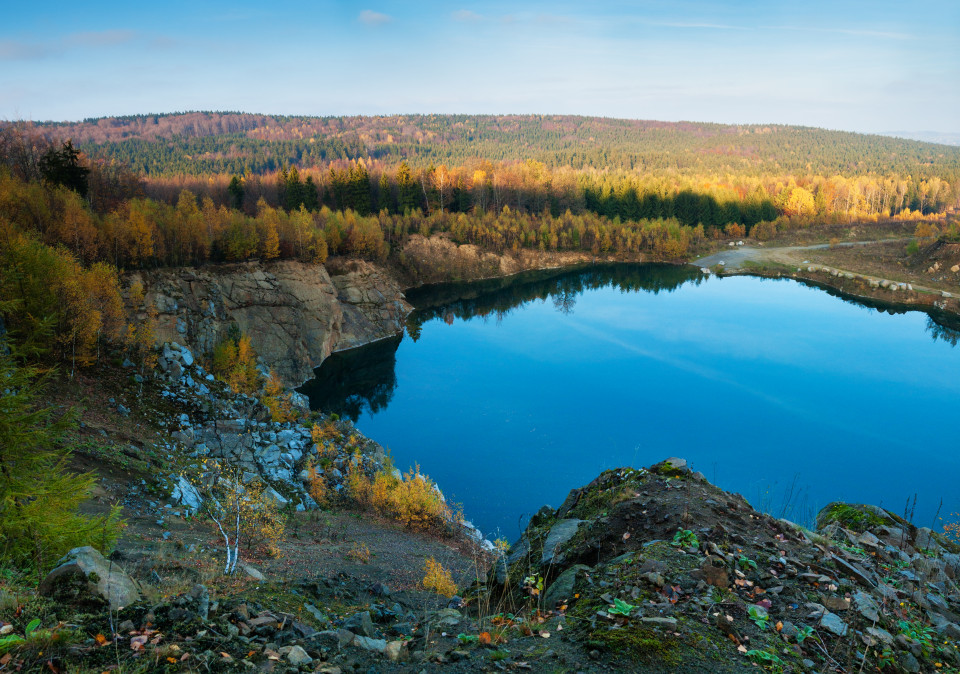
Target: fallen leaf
742,649
779,625
485,638
101,640
172,661
5,659
136,643
626,535
545,634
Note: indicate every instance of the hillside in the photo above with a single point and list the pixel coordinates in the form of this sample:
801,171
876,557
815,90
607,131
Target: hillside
230,142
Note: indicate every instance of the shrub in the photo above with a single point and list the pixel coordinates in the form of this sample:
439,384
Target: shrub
438,579
235,363
413,499
278,401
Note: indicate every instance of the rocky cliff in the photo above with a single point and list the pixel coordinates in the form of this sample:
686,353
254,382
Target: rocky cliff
295,313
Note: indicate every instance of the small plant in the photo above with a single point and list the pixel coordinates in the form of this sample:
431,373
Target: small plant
765,658
360,553
621,607
684,538
533,585
499,654
13,640
467,638
438,578
804,633
918,632
759,617
885,658
745,562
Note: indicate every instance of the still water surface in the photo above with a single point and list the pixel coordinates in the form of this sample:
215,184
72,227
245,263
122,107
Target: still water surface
773,389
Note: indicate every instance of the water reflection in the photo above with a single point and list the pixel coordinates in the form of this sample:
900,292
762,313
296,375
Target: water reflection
351,381
499,297
364,378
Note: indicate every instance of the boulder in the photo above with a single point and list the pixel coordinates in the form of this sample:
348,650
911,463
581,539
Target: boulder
560,534
84,576
562,588
186,495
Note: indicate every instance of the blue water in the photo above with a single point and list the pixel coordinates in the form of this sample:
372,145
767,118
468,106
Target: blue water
773,389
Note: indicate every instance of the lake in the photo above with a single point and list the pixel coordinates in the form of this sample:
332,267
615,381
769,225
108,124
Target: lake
511,392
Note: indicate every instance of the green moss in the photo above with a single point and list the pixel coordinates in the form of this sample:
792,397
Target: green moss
854,518
637,643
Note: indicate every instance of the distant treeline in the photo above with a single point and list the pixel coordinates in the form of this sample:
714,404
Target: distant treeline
212,143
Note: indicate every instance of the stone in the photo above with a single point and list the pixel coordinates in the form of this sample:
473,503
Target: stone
251,572
396,650
836,603
83,575
668,623
880,634
186,356
447,618
832,623
561,589
866,606
186,495
714,572
360,623
560,534
909,663
298,657
372,645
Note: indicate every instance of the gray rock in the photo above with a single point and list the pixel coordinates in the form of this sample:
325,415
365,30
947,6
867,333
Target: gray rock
562,588
360,623
832,623
910,663
881,635
251,572
668,623
372,645
186,356
560,534
866,605
83,575
297,657
186,495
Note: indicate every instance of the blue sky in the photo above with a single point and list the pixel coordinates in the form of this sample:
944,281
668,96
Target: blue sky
862,66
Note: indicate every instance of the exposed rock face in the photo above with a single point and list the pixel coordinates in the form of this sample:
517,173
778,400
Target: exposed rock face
85,576
295,313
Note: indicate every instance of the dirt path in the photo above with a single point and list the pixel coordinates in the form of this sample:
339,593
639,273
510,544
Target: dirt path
736,258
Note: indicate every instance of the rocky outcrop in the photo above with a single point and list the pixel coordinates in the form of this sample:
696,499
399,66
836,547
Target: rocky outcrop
658,563
295,313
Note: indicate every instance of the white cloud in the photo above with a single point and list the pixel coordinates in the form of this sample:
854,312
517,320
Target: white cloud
371,18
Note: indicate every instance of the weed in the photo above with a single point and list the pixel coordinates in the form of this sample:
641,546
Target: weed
918,632
804,633
759,617
621,607
684,538
745,562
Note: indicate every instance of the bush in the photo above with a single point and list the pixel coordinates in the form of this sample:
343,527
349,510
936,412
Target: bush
413,499
438,579
235,363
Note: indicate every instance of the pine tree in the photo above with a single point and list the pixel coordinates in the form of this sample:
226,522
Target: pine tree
39,521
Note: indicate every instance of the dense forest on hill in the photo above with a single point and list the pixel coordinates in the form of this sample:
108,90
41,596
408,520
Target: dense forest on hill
198,143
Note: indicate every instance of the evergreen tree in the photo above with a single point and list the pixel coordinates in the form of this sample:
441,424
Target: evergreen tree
39,521
63,167
235,190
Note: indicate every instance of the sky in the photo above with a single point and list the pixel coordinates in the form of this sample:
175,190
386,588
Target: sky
864,65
